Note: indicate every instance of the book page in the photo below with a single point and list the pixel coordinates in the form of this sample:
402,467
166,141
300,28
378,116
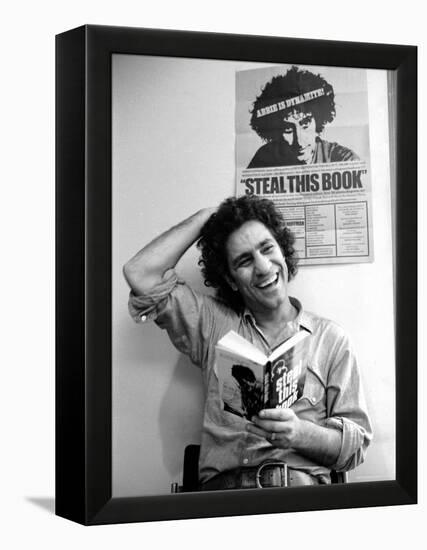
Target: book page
238,345
292,341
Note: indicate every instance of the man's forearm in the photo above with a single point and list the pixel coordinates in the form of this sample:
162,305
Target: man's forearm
320,444
148,266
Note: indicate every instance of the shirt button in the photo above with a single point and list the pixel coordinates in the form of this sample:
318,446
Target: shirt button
143,318
245,460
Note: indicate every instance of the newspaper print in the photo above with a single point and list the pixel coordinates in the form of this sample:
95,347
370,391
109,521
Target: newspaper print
302,140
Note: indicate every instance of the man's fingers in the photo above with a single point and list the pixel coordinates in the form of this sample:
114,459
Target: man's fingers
275,420
270,425
253,429
276,414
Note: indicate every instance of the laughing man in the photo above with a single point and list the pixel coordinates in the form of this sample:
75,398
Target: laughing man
247,256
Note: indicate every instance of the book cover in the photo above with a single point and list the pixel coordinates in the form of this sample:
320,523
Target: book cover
250,381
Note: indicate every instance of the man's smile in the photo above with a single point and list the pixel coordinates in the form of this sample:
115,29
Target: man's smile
270,282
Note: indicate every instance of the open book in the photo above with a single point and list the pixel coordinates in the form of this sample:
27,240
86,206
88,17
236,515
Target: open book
250,381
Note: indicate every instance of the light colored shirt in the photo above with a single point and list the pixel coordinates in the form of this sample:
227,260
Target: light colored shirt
332,395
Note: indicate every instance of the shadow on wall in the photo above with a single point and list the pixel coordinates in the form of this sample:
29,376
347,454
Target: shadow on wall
46,503
181,415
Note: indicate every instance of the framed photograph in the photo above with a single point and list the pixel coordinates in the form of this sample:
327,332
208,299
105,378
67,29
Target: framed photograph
153,126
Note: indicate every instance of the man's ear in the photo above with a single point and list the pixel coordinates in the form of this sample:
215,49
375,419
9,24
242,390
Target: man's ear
231,283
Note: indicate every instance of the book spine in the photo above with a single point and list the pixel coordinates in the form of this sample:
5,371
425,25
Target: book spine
267,385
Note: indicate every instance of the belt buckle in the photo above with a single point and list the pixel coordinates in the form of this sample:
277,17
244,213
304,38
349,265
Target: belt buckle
284,472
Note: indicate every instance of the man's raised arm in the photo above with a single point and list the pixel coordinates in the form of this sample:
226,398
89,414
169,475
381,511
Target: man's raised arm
147,268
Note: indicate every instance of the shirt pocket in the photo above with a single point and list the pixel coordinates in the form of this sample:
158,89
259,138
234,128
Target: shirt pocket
312,404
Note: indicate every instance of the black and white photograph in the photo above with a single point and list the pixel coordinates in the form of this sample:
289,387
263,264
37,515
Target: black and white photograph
201,258
212,274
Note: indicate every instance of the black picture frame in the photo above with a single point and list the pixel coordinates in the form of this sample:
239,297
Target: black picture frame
83,273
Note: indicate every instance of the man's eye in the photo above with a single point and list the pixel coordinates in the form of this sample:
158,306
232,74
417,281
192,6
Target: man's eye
245,262
267,248
306,122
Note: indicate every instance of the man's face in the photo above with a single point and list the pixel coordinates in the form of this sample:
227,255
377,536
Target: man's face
300,133
257,267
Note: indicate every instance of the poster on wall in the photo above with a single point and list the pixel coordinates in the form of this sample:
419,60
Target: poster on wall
302,140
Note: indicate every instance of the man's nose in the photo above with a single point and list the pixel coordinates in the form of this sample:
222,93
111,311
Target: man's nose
298,136
262,264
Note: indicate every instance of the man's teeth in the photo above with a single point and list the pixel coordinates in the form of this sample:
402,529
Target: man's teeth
268,281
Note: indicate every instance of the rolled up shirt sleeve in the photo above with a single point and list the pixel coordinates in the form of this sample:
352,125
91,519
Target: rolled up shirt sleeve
145,307
190,319
347,411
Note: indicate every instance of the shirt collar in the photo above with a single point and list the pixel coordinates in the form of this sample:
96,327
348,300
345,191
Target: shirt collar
301,320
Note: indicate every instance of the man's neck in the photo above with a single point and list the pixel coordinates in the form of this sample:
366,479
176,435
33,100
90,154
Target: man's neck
271,322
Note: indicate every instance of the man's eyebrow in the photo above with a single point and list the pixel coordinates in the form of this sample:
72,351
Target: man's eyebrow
309,116
235,261
267,240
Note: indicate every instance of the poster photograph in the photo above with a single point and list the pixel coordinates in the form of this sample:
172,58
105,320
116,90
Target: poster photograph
302,140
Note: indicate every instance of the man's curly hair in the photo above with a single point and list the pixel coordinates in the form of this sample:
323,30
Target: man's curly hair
294,83
232,214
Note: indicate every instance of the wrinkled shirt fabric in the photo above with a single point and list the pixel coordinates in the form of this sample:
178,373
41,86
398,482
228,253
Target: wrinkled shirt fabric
332,395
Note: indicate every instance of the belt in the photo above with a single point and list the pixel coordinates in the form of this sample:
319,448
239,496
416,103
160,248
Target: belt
267,474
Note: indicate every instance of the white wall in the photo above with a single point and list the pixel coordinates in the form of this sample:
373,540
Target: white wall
173,153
